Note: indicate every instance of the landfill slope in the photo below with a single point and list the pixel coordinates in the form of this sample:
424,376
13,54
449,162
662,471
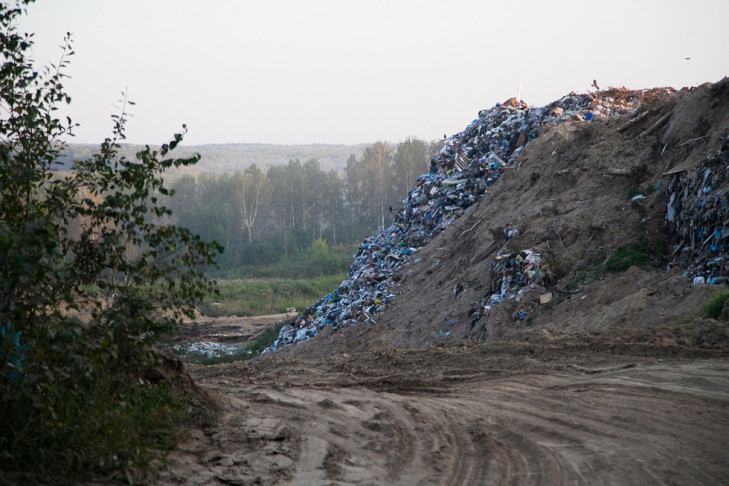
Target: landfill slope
579,193
469,165
441,360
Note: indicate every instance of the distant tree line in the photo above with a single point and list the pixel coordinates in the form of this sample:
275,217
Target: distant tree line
228,157
260,217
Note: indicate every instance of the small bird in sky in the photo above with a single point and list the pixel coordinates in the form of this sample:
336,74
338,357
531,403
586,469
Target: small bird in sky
686,58
594,83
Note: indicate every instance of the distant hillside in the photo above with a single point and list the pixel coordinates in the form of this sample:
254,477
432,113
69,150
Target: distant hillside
229,157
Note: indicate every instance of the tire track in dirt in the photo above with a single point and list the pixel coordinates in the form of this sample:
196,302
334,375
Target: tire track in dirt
632,422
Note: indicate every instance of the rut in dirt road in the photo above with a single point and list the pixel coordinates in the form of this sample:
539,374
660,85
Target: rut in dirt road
627,421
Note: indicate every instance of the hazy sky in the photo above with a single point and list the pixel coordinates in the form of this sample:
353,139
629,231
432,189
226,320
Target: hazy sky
352,71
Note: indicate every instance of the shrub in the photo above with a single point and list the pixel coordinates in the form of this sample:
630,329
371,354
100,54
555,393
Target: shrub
714,307
73,393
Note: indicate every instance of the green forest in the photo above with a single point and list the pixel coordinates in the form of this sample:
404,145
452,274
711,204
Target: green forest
268,221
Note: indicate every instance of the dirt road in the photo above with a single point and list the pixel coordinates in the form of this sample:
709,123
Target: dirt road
507,413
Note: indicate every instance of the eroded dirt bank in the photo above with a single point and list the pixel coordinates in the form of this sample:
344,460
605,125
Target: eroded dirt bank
556,411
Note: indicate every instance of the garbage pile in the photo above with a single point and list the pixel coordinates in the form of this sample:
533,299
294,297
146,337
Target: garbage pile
515,275
515,270
698,214
206,349
468,164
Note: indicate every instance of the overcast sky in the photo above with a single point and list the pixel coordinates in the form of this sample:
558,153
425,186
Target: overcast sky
354,71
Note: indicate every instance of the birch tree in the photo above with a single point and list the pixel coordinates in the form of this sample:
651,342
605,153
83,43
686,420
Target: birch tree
252,191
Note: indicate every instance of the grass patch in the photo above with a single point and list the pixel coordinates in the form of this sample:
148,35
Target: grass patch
318,260
590,269
594,265
644,254
267,296
715,305
687,319
583,275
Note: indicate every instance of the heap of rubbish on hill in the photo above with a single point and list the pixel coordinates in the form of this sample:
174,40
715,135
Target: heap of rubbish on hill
464,170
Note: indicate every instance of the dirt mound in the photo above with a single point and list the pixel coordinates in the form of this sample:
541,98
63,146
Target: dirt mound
590,200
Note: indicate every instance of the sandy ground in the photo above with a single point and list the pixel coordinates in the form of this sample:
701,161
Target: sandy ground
567,412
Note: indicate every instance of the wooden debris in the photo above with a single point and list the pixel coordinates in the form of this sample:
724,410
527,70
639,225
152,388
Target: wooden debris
657,124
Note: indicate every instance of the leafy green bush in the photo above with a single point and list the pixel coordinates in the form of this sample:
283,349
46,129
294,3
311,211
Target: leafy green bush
73,395
715,305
